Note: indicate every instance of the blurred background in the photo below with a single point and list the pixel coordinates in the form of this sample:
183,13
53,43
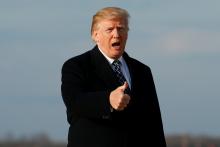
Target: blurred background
179,40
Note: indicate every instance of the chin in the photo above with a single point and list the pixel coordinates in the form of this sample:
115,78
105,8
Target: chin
116,56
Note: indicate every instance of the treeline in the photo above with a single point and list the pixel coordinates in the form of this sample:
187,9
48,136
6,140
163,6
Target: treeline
37,140
43,140
192,141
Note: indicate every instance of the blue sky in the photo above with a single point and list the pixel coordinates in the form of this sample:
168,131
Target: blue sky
179,40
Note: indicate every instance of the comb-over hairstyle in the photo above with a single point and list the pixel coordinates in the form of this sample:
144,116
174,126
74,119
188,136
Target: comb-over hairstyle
110,13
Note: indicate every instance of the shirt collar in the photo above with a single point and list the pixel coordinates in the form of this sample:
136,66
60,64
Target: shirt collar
110,60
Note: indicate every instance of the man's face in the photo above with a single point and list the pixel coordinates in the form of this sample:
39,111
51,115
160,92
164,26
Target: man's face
111,36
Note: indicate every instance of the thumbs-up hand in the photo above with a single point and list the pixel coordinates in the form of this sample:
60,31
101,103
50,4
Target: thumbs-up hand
118,99
124,86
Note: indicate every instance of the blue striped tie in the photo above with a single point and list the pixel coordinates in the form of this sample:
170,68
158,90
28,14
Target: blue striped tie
117,69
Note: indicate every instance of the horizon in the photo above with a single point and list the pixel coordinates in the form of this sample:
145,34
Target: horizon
178,40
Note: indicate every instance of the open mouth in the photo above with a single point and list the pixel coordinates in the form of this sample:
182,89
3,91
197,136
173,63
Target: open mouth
116,44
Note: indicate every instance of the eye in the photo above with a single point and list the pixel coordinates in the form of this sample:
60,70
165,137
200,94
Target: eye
109,30
121,29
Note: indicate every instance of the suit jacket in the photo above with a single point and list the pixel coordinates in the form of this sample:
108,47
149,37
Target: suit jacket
87,81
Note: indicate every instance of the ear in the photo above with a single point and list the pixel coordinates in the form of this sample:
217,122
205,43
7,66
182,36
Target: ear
95,36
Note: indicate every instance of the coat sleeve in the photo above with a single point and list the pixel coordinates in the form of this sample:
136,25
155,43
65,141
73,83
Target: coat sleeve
158,129
79,101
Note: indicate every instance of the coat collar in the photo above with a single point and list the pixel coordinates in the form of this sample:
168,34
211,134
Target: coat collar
103,69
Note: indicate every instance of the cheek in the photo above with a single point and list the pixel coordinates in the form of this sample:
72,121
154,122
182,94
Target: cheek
126,37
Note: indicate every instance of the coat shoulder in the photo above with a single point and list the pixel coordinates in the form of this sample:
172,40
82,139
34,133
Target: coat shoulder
138,64
79,60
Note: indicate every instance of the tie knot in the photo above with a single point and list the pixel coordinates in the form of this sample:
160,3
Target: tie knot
116,63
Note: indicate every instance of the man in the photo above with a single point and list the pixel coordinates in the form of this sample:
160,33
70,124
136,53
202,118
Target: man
110,97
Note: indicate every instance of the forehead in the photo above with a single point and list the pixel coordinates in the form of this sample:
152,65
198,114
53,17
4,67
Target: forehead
111,22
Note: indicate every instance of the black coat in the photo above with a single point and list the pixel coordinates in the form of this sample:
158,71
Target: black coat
87,81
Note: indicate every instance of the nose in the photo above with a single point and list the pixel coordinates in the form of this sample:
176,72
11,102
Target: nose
116,33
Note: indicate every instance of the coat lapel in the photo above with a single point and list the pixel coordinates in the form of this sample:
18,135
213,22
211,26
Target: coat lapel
103,69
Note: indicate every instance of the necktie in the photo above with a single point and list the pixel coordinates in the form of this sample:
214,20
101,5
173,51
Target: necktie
117,69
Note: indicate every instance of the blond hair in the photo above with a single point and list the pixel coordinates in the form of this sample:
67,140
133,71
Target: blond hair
109,13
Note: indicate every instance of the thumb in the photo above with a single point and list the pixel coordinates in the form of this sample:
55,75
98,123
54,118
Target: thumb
124,86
